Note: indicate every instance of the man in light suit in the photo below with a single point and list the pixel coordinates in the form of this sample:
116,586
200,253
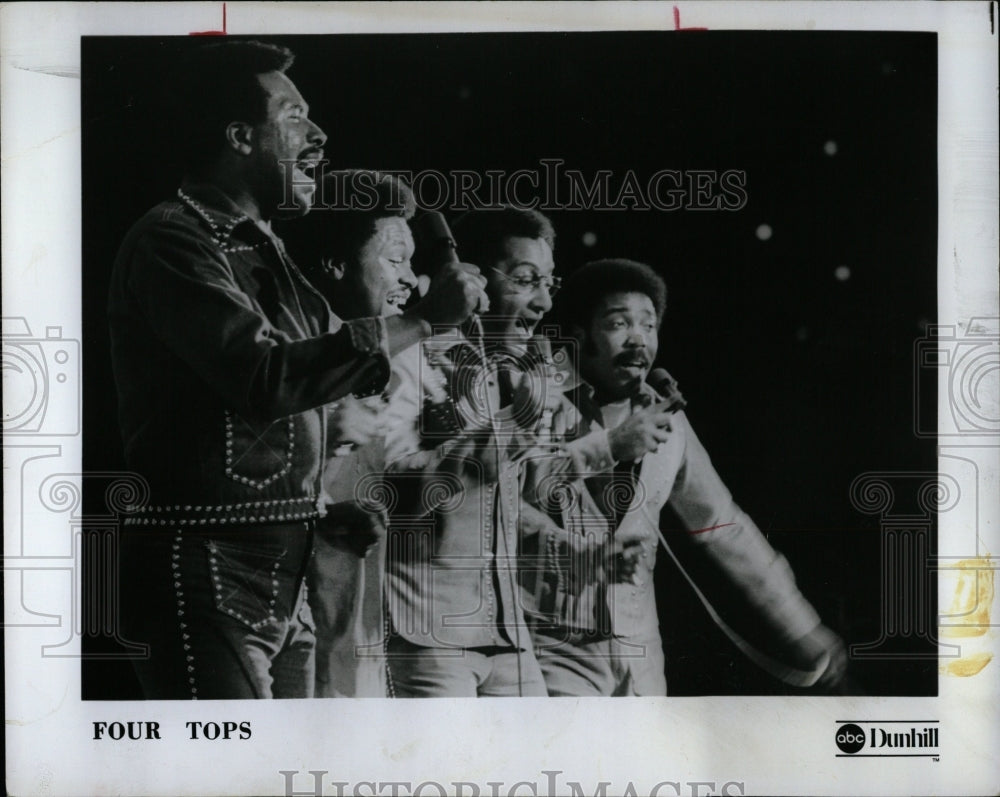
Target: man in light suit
459,423
597,633
357,254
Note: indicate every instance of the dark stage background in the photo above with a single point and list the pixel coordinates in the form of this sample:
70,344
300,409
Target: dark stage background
797,380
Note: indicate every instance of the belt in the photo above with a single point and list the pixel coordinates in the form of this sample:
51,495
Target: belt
278,511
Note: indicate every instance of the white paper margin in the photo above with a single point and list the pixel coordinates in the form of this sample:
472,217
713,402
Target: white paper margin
739,745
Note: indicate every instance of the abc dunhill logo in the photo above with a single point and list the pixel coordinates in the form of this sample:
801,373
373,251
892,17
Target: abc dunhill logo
893,738
850,738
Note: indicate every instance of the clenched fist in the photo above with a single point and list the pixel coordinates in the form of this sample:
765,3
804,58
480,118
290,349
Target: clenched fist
353,421
642,433
457,291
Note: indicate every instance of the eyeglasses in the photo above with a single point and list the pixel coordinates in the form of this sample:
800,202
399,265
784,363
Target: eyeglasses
529,284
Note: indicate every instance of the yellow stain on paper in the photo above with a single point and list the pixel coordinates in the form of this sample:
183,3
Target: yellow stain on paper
969,613
967,665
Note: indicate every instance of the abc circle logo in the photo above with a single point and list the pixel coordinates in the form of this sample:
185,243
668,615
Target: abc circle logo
850,738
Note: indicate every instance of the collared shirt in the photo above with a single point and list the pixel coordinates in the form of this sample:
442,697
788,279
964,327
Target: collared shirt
680,474
450,566
224,356
456,467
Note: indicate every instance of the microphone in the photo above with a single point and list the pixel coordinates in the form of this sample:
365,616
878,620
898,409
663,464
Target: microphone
540,351
664,384
436,247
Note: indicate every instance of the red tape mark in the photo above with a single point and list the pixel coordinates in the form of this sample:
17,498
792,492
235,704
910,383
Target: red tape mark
214,32
677,21
710,528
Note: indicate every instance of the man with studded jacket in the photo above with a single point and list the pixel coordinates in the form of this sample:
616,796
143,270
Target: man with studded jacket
224,357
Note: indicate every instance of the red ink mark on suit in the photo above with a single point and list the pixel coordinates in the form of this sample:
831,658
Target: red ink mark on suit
710,528
677,21
213,32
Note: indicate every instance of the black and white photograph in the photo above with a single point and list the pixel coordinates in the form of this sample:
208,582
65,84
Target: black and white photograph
561,363
744,220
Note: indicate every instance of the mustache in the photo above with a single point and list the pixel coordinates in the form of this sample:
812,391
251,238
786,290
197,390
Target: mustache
629,357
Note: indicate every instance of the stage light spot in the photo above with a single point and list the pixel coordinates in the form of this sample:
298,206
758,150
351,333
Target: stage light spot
589,238
764,232
830,147
842,273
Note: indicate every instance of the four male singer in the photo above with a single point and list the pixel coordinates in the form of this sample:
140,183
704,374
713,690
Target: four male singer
461,417
457,627
357,252
253,411
602,637
224,358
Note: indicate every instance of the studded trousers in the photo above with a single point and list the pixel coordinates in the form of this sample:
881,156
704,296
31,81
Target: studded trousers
224,614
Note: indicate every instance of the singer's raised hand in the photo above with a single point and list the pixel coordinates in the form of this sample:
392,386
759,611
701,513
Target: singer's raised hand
457,291
353,420
625,560
642,433
811,649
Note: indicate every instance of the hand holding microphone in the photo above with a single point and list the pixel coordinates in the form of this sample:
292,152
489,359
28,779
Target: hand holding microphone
457,290
648,427
664,384
641,433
